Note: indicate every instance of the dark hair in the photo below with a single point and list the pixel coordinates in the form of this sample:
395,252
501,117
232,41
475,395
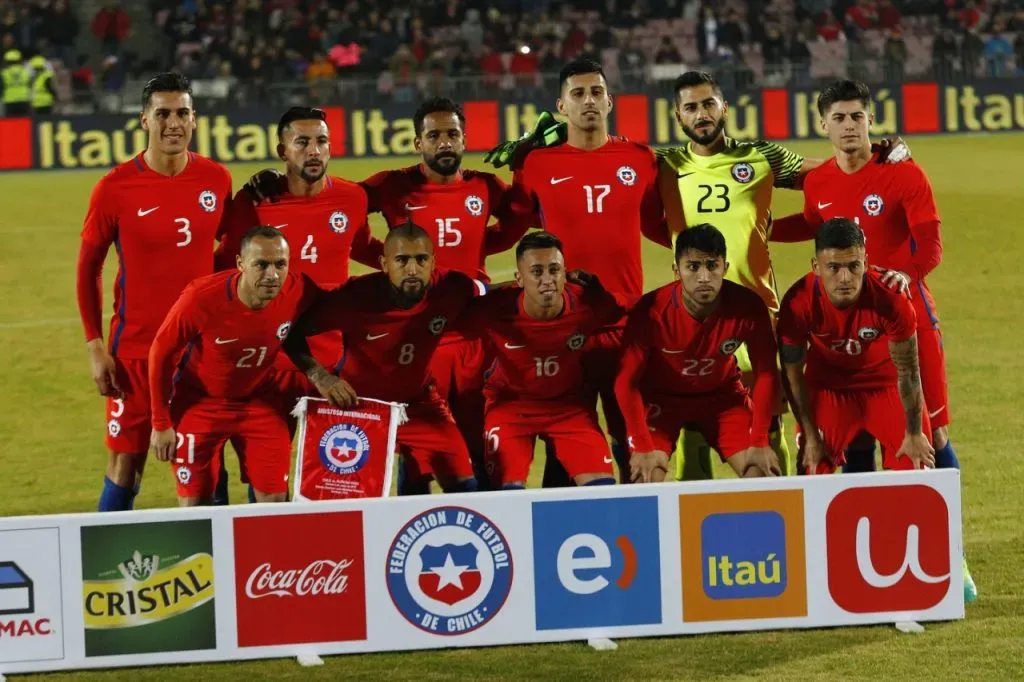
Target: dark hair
578,66
704,237
843,91
692,79
407,230
537,240
838,233
299,114
265,231
165,82
436,105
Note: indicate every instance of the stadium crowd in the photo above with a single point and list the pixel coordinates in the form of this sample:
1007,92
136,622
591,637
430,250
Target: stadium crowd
283,50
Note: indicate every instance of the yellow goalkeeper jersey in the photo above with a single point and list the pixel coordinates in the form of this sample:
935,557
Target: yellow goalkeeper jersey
732,190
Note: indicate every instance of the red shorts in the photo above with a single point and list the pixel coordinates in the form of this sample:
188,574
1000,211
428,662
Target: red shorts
573,432
841,416
432,444
723,419
457,368
601,366
257,429
933,374
129,424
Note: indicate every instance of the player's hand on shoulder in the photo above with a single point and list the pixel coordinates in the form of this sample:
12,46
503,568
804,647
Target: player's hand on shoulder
266,185
763,459
892,150
919,450
582,278
163,444
104,371
546,132
648,467
336,390
894,280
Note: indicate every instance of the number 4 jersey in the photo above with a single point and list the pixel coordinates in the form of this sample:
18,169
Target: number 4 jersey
163,228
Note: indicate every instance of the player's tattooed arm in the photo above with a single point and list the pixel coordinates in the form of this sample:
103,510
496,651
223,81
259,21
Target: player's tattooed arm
908,368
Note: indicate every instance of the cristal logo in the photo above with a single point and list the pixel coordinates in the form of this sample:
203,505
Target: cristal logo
911,559
322,577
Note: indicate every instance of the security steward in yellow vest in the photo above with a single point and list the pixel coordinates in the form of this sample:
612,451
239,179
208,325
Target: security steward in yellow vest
17,92
43,91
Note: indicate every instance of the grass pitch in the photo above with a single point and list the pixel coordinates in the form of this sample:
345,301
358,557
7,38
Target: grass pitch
52,421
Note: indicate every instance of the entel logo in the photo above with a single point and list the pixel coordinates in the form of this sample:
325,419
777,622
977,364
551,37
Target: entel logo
887,549
596,563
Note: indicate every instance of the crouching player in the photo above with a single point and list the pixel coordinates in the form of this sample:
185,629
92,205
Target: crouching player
223,334
861,373
679,361
392,322
538,333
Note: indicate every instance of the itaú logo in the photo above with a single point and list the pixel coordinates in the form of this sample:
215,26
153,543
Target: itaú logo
888,549
321,577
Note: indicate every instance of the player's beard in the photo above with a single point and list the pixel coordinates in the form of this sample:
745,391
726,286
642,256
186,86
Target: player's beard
314,175
410,292
444,163
705,138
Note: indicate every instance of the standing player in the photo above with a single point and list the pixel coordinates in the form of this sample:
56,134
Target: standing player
537,333
679,361
392,322
161,211
223,335
861,373
598,194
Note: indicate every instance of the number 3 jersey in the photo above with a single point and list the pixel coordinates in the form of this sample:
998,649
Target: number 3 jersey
163,228
213,345
732,190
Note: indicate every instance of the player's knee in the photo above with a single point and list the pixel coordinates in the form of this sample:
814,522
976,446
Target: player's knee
940,436
124,469
193,501
595,479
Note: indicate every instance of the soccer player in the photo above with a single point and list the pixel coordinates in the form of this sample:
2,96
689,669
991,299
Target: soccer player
679,365
861,371
223,335
538,332
161,211
392,322
599,194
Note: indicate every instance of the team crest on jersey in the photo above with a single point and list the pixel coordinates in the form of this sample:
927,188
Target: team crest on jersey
344,449
338,222
208,201
475,205
449,570
743,172
626,175
184,475
873,204
576,341
437,325
729,346
114,428
868,334
283,330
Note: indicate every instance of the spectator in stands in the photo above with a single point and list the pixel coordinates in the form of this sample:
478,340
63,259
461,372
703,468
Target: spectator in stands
972,50
403,68
970,16
888,15
862,15
62,28
632,60
492,67
111,26
574,41
945,51
472,31
525,66
998,53
707,34
829,28
321,75
730,31
773,49
894,56
667,52
799,62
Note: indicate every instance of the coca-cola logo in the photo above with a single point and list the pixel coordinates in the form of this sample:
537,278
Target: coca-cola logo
321,577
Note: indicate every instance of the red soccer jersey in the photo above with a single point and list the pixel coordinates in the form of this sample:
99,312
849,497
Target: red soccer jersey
229,349
598,203
454,214
322,231
538,360
164,229
849,349
669,352
894,205
388,349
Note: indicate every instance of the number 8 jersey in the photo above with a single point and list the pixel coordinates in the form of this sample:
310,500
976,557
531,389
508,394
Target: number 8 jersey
163,228
732,190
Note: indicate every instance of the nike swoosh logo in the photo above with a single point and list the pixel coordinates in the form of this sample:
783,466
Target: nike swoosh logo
683,175
817,334
219,341
281,226
513,347
672,352
413,208
936,413
608,459
821,205
374,337
555,181
143,213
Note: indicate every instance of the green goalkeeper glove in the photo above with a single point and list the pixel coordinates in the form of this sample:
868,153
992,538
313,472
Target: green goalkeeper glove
547,132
